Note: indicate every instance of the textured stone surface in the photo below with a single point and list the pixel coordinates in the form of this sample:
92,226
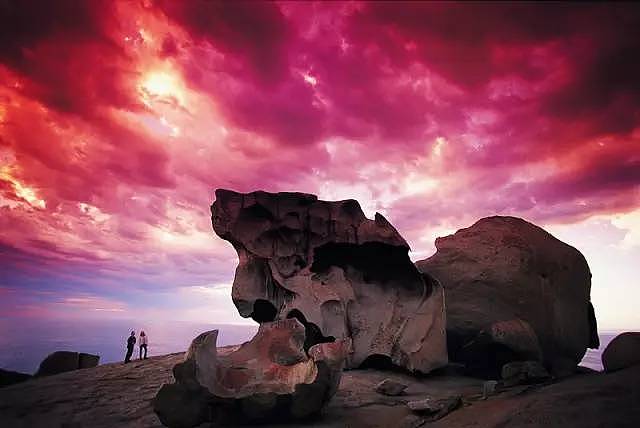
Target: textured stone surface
270,377
623,351
523,372
341,274
513,292
390,387
120,395
435,408
86,361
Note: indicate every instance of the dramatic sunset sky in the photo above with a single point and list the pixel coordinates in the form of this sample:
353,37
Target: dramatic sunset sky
119,119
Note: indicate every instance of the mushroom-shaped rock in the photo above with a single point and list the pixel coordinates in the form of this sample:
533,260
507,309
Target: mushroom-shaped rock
513,292
270,377
341,274
622,352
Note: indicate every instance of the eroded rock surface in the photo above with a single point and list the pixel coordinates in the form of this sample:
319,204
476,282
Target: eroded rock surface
513,292
270,377
341,274
120,395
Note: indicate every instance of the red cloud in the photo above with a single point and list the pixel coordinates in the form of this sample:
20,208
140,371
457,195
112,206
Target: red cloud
118,119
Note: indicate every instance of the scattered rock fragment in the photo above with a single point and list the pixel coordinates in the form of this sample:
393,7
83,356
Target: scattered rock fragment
622,352
435,408
390,387
489,388
524,372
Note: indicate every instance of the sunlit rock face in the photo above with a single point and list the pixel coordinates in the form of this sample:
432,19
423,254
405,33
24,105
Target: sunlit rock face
514,292
341,274
270,378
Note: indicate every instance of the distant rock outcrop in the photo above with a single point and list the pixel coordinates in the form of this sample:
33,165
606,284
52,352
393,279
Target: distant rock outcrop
341,274
513,292
8,377
65,361
270,377
622,352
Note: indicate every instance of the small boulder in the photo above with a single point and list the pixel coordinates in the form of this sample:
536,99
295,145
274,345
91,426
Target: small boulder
622,352
489,388
58,362
66,361
390,387
523,372
435,408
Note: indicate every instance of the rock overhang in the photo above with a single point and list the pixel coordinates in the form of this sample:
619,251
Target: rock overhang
342,274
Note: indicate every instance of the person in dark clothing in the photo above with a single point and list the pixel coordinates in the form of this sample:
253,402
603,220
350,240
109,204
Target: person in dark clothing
131,341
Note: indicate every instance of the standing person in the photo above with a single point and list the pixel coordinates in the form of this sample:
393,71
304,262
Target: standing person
143,344
131,341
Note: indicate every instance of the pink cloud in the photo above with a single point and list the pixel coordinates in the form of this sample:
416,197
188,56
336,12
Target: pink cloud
116,126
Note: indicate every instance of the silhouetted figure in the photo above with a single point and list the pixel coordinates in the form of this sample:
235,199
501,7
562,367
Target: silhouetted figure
143,344
131,341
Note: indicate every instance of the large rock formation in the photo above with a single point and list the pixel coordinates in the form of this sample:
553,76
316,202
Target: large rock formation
270,377
341,274
622,352
513,292
64,361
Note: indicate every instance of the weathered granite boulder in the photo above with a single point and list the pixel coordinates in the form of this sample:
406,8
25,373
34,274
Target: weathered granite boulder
65,361
271,377
622,352
513,292
341,274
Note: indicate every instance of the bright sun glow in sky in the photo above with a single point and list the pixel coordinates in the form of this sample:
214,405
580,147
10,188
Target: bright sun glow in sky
118,121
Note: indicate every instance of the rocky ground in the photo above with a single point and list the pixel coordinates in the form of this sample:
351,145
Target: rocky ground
120,395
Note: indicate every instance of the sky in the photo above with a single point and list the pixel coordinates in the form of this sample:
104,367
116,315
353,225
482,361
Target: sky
118,120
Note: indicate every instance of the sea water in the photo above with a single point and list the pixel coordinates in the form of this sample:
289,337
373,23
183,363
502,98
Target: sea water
24,343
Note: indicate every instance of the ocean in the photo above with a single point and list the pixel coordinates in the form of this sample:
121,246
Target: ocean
24,344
